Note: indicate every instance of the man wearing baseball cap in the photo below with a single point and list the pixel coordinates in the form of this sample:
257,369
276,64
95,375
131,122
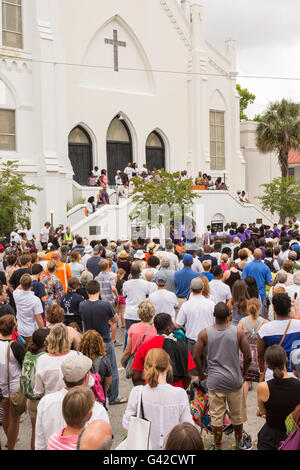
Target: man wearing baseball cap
76,371
92,264
183,279
163,300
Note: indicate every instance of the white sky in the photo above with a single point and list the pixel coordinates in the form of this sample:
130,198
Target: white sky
268,43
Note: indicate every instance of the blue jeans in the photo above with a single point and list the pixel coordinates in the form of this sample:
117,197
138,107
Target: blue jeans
113,391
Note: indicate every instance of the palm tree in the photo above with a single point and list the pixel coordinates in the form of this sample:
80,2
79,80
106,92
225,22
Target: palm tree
278,131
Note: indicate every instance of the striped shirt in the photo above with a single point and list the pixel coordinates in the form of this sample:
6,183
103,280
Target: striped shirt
59,442
107,280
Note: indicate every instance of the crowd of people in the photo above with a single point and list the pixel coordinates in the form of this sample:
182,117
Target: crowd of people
219,312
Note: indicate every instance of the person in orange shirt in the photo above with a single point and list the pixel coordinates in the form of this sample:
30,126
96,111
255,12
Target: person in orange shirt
64,270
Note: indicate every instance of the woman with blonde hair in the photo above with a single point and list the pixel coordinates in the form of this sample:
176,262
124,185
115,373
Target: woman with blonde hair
224,261
75,264
49,377
250,326
232,274
93,346
206,288
140,332
164,406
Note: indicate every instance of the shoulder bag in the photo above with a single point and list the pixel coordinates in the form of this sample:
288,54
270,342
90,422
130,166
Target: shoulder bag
17,401
128,371
138,436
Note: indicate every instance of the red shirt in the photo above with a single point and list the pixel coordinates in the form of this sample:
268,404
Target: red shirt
157,342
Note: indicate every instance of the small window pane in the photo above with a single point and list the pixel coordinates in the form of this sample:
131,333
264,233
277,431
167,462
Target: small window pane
220,149
77,136
213,165
7,142
153,141
117,132
213,151
12,40
220,118
220,163
12,20
219,133
212,133
12,23
212,118
7,121
7,130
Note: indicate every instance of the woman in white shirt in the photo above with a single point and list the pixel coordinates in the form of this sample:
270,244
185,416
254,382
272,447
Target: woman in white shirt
164,406
48,378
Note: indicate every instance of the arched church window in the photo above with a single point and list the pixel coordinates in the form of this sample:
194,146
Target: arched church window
117,132
12,35
217,140
154,141
78,136
155,152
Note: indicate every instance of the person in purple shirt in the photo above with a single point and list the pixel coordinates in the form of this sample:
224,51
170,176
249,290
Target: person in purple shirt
276,231
241,234
104,195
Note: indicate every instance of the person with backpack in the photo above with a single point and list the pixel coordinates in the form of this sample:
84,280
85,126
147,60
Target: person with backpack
27,380
75,371
93,346
250,326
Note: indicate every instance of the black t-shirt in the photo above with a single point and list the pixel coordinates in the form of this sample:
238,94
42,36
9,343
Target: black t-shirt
14,280
283,399
6,309
95,316
3,278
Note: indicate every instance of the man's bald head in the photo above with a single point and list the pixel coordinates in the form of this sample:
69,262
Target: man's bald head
96,436
257,254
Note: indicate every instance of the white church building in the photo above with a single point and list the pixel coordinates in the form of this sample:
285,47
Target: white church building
102,83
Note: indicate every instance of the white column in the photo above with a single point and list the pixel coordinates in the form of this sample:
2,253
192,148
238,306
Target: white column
198,93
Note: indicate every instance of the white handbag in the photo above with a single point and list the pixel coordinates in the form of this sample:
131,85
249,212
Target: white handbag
138,436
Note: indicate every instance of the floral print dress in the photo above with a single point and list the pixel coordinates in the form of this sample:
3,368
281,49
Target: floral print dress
54,290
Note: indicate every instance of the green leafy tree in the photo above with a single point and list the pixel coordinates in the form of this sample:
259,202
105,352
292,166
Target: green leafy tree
282,196
278,131
246,98
15,198
165,201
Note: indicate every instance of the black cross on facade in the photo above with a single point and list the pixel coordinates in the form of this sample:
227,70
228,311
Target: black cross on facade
115,43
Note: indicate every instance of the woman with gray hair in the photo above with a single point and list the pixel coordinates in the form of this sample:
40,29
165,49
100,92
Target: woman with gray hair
85,277
279,281
168,272
294,292
140,332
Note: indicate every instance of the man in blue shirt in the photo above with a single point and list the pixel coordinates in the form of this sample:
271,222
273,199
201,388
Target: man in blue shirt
183,278
260,271
207,256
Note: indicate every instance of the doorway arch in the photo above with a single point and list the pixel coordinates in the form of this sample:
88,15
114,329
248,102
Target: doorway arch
80,154
118,147
155,152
